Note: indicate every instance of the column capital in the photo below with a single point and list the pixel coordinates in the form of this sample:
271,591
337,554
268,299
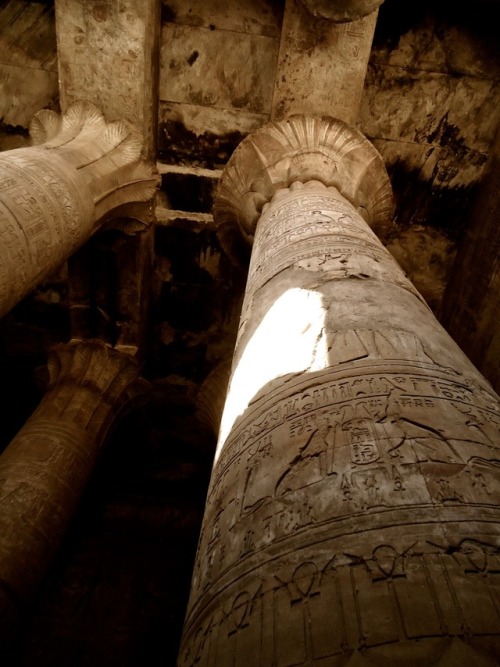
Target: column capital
342,11
106,154
89,383
299,148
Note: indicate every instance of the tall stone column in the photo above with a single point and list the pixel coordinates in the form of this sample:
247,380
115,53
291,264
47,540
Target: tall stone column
45,468
323,58
353,512
55,195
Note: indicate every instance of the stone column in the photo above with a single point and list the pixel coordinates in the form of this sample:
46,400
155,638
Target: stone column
45,468
353,511
55,195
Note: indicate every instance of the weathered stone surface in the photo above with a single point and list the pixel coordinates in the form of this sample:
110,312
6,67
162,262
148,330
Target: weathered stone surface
322,65
27,34
217,75
472,301
197,135
429,37
37,88
259,17
28,67
427,255
354,495
217,68
432,108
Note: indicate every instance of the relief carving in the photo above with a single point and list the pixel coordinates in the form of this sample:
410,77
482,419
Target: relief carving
363,444
45,468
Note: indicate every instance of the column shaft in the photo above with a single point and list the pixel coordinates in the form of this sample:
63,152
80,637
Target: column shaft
46,467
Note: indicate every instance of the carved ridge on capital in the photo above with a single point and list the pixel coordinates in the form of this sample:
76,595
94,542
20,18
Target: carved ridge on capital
299,149
342,11
109,376
106,154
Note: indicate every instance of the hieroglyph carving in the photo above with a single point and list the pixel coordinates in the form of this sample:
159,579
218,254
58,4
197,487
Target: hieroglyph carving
299,149
388,438
54,195
320,234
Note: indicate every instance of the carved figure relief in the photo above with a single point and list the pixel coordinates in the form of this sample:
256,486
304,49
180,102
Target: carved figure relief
362,444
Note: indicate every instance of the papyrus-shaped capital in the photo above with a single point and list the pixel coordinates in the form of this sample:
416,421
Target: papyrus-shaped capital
299,149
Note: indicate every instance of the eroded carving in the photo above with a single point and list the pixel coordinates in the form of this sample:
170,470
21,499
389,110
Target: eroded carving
299,149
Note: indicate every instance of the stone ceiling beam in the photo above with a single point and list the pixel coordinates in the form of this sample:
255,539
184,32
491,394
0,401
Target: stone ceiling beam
321,64
108,54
